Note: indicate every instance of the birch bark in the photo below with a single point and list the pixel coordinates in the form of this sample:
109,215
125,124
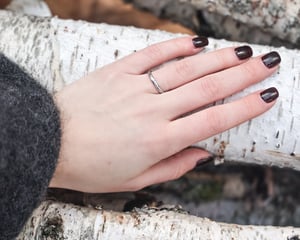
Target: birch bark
68,222
58,52
30,7
280,18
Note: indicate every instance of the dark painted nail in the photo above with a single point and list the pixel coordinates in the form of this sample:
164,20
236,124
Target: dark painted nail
203,162
271,59
200,42
269,95
243,52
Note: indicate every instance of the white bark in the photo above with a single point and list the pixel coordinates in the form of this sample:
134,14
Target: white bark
278,17
30,7
65,221
58,52
281,18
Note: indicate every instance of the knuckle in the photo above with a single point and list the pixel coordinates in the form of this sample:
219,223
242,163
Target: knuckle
248,104
248,69
209,87
178,170
183,44
215,122
183,68
221,59
177,173
154,52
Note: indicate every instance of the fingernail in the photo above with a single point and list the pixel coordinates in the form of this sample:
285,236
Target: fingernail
269,95
200,42
203,162
271,59
243,52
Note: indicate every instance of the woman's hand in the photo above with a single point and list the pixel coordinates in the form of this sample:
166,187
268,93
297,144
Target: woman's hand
120,134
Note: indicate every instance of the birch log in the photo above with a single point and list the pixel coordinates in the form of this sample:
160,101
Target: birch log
30,7
68,222
58,52
280,18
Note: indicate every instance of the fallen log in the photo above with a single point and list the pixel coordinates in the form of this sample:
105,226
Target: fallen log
280,17
277,19
30,7
69,222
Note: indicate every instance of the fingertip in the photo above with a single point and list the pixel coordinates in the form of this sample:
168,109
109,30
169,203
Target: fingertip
243,52
269,95
271,60
200,41
198,156
203,162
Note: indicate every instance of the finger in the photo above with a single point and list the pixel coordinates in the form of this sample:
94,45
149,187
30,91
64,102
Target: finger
170,168
209,122
154,55
194,67
219,85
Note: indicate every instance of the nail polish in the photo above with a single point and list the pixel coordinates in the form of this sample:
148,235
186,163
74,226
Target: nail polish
200,42
269,95
243,52
203,162
271,59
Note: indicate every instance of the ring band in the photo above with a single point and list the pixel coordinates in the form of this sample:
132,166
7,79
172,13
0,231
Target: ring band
155,83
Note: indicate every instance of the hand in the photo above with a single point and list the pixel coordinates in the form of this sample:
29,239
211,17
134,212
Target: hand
119,134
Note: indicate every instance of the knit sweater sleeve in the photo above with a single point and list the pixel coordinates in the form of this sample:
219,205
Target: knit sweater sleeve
29,146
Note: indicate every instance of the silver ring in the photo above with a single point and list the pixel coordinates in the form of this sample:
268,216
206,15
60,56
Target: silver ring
155,83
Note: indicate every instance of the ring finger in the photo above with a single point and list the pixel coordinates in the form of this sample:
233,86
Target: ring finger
188,69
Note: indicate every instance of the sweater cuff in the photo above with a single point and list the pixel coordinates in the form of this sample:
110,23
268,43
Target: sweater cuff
29,146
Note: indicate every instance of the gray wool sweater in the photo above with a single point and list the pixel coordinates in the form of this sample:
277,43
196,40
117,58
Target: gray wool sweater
29,146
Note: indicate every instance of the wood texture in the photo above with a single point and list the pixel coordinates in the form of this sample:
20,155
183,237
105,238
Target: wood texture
278,18
68,222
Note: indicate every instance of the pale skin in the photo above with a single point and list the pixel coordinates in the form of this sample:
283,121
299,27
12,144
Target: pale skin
119,134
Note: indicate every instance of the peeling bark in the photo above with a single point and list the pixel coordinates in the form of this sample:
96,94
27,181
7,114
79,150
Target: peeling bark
30,7
279,18
69,222
58,52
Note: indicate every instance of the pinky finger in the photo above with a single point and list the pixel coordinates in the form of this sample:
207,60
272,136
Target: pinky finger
170,168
